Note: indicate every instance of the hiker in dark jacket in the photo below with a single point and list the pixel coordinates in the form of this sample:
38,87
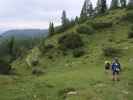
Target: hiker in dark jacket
116,68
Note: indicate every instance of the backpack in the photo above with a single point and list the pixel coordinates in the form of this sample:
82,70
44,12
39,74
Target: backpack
116,67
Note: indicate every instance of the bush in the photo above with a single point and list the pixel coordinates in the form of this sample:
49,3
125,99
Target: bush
70,41
5,67
37,71
84,29
78,53
128,16
50,57
49,46
101,25
46,48
129,7
111,52
130,33
35,62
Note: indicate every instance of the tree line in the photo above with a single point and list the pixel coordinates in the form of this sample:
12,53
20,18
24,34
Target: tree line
89,11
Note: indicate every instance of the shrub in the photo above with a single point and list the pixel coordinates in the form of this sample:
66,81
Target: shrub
128,16
37,71
129,7
70,41
49,46
46,48
84,29
78,53
111,52
5,67
35,62
41,45
101,25
50,57
64,53
130,33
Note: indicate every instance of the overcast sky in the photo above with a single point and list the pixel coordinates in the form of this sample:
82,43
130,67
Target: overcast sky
36,13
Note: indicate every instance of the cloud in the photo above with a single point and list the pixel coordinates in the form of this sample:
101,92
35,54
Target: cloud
36,13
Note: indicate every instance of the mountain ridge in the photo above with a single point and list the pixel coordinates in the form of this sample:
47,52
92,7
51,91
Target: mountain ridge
25,33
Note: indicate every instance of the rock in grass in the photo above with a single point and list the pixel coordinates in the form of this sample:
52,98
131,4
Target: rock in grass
125,92
72,93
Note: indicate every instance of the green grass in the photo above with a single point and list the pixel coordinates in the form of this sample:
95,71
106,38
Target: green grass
85,74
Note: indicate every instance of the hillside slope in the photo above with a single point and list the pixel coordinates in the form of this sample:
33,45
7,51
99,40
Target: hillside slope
85,75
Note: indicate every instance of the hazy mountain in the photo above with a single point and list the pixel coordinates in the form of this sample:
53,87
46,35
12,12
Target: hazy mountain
25,33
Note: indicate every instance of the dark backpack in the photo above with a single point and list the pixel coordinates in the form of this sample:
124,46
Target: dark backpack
116,67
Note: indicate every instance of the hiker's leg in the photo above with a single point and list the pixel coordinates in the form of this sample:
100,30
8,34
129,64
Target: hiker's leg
118,78
113,76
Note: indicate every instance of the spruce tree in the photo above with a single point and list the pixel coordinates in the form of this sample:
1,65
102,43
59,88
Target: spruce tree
76,20
65,20
51,29
101,6
98,7
87,10
83,14
90,10
114,4
123,3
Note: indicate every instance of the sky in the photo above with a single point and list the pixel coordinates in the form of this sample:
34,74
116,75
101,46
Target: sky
23,14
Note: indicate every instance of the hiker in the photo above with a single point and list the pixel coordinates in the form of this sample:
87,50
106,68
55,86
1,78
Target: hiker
116,68
107,66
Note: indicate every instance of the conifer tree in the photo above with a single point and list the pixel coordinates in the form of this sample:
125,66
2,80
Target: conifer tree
83,14
87,10
98,7
65,20
77,20
123,3
51,29
114,4
90,9
101,6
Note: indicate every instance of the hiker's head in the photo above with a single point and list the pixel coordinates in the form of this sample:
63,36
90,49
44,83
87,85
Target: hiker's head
116,59
107,62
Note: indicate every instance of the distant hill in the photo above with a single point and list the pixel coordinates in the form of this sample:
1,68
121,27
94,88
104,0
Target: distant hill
23,38
25,33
